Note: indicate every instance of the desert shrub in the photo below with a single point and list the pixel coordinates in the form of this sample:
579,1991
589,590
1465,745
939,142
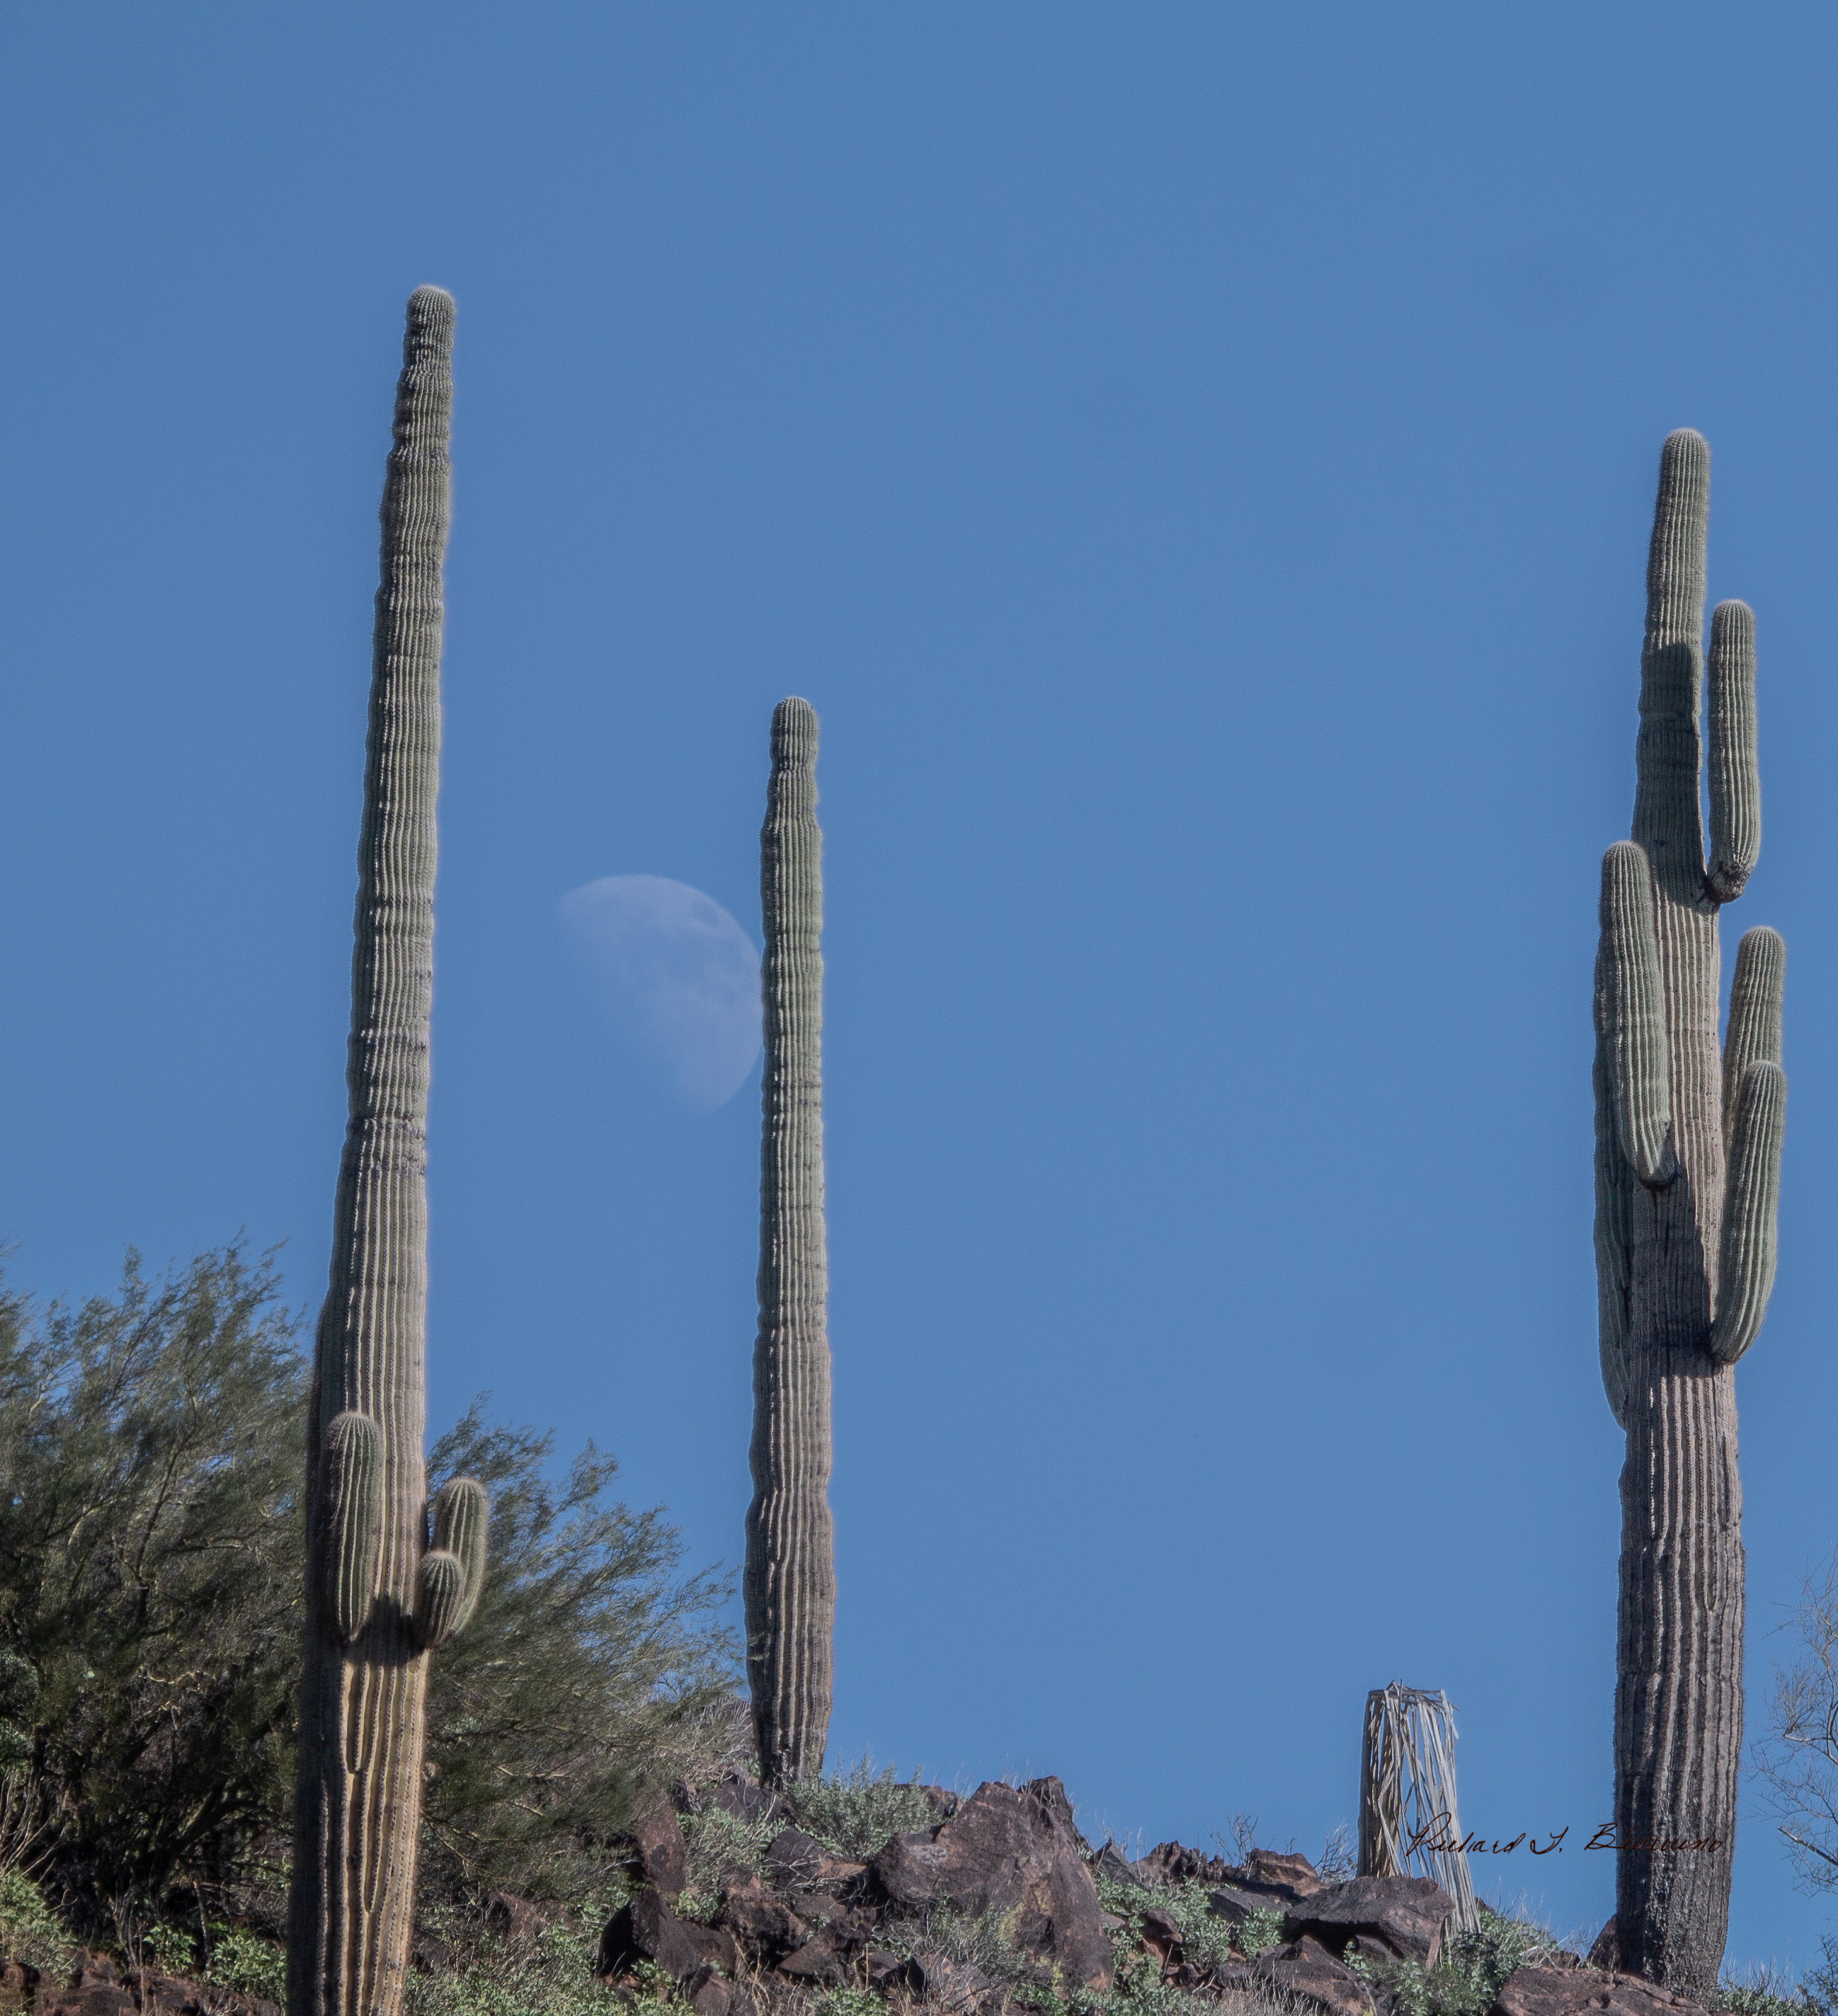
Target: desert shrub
1765,1991
150,1460
855,1812
1468,1975
29,1930
1339,1858
849,2001
1205,1938
719,1845
152,1449
557,1980
591,1667
243,1961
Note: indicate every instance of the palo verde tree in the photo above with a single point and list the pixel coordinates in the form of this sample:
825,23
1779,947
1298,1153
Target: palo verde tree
789,1580
379,1595
1688,1152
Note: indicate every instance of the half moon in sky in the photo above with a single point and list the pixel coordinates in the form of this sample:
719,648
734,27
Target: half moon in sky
679,977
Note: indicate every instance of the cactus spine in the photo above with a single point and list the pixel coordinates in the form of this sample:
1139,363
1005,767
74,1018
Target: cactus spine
1688,1178
377,1595
790,1578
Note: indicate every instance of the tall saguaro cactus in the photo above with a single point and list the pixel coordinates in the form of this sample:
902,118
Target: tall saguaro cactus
790,1578
380,1596
1688,1151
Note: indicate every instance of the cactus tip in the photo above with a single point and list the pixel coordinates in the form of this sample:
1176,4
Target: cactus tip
793,730
431,311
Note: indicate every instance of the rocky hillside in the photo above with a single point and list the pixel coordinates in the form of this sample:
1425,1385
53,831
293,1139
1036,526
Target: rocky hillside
864,1897
998,1903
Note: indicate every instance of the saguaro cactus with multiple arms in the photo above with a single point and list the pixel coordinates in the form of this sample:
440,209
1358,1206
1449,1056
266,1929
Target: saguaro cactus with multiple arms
790,1579
379,1596
1688,1176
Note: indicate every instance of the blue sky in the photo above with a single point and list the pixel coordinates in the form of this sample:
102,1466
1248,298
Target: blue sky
1197,461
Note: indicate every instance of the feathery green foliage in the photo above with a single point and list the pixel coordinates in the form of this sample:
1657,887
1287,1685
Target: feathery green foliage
1472,1968
151,1570
855,1812
591,1664
149,1560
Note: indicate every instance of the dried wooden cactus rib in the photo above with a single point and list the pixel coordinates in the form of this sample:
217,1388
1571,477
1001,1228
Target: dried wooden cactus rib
1685,1240
790,1578
376,1594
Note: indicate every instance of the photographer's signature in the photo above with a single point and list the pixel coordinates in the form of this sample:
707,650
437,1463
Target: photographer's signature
1437,1836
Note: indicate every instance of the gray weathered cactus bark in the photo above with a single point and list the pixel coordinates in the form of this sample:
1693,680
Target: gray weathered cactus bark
379,1596
1687,1174
790,1577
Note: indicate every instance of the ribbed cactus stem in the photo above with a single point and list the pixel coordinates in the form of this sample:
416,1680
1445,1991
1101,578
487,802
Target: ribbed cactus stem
790,1578
351,1504
1751,1209
461,1516
1630,1016
1755,997
438,1597
1685,1249
1735,774
358,1812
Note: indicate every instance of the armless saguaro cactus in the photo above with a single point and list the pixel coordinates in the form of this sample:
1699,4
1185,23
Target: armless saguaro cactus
790,1579
379,1596
1688,1152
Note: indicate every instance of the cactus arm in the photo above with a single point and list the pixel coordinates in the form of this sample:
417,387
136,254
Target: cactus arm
1754,1014
1735,774
1668,821
1612,1239
461,1515
353,1503
1751,1209
1630,1016
440,1592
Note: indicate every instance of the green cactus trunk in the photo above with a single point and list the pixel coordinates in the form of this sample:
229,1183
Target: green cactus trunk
790,1578
379,1597
1688,1164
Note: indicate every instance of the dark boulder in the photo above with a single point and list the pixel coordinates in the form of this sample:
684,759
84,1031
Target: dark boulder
1161,1934
648,1929
658,1854
1267,1869
1170,1861
1235,1906
948,1985
1307,1972
1572,1991
1408,1913
794,1858
430,1954
1606,1952
882,1968
708,1995
744,1799
1110,1862
820,1960
1009,1850
761,1921
515,1920
93,1987
715,1945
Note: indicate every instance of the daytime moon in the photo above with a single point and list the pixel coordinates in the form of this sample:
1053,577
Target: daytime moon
679,977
